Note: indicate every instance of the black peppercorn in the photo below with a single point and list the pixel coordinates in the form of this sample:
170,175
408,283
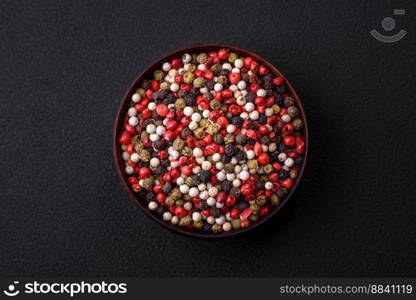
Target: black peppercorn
186,132
166,188
242,205
190,100
281,193
159,145
282,174
235,192
237,121
147,84
229,150
250,97
262,119
150,196
226,186
204,176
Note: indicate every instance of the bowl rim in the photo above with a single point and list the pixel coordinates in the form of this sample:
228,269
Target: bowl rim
119,122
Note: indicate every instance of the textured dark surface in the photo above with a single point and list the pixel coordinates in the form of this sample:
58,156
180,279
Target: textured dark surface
64,68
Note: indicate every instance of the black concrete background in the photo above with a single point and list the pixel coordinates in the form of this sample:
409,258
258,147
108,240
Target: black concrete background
64,67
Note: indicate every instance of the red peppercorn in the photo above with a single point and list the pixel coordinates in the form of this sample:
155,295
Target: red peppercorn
245,213
176,63
223,53
263,70
226,94
287,183
287,129
263,130
247,61
230,201
169,135
258,149
178,79
132,180
180,212
235,109
144,173
130,129
163,154
125,138
162,110
278,80
187,171
234,77
234,213
247,188
155,85
149,94
251,134
289,141
209,74
136,187
161,197
222,121
259,101
263,158
146,113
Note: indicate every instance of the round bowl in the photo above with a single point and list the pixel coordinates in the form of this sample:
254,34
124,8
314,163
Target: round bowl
119,126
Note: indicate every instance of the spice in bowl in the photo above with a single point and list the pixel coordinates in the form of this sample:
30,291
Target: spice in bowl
212,141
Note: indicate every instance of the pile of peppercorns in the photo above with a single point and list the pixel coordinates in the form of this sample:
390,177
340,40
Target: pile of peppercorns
213,141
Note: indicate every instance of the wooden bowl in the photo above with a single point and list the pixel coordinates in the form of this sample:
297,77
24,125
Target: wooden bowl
148,73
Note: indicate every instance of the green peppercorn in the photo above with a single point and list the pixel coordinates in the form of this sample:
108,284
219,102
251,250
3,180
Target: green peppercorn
222,79
187,198
180,202
188,181
215,104
199,133
185,221
138,147
216,67
253,218
232,57
148,183
188,77
229,168
293,174
180,104
145,155
216,228
213,129
252,164
204,123
175,194
254,208
218,139
274,200
240,139
289,101
199,82
236,223
293,111
229,138
268,169
186,151
169,201
202,58
261,200
297,124
141,92
275,108
178,144
164,85
198,224
144,134
158,75
192,67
